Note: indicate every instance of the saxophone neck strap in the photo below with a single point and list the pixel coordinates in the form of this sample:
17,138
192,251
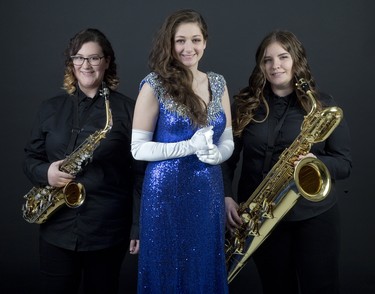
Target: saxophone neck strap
274,127
82,106
75,129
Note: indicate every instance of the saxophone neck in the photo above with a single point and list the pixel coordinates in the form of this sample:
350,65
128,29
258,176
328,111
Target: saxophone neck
105,93
304,86
109,121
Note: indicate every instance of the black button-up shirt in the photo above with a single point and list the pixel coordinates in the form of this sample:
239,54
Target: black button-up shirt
334,152
112,180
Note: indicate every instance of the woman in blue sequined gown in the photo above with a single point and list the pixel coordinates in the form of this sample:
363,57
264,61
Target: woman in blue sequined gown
182,212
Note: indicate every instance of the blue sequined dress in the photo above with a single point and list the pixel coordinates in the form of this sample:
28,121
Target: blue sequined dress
182,212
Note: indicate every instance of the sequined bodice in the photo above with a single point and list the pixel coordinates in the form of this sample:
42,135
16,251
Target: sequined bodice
173,123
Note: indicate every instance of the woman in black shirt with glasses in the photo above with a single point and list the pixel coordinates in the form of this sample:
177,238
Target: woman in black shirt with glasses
84,247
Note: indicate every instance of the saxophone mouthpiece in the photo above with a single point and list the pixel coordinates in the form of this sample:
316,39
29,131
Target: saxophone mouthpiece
303,84
104,91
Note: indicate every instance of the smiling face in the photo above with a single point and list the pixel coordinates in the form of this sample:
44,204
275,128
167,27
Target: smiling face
189,44
278,68
89,76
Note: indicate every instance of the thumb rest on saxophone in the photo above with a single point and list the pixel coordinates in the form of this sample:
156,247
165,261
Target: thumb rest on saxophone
284,183
41,202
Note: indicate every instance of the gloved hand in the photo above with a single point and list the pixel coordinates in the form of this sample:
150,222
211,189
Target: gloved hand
143,148
221,152
210,156
202,139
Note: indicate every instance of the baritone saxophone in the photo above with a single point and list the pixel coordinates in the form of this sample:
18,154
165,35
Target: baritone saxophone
41,202
283,185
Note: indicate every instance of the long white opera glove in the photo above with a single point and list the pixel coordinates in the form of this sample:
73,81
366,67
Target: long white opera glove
143,148
221,152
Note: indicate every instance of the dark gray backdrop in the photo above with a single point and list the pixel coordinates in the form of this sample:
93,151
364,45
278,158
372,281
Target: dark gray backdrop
338,36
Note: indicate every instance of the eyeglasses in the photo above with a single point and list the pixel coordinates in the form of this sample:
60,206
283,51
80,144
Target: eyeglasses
93,60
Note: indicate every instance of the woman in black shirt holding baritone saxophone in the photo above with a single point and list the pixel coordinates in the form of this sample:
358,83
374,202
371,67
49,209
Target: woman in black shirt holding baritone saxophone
301,253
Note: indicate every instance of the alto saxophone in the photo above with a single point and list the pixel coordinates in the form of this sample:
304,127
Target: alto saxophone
41,202
282,186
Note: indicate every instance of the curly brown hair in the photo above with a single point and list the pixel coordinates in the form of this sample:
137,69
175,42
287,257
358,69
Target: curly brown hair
173,75
252,96
75,44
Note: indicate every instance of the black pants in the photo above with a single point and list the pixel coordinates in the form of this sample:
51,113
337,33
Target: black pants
301,256
66,271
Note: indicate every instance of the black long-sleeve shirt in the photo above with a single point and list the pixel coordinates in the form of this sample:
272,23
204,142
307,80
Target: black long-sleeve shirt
334,152
112,180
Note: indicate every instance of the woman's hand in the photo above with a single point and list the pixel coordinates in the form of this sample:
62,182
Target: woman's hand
57,178
134,247
233,219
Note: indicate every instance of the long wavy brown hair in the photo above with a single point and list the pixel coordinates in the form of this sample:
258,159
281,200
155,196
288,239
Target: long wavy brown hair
75,44
250,98
173,75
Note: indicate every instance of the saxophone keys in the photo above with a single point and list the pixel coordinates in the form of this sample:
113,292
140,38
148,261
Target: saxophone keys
268,209
253,227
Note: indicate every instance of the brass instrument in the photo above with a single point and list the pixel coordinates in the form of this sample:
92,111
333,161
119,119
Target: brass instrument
281,188
41,202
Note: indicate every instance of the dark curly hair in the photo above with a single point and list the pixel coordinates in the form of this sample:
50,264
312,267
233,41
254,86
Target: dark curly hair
75,44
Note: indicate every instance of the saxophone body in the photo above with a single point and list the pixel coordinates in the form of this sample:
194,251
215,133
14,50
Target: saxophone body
283,185
41,202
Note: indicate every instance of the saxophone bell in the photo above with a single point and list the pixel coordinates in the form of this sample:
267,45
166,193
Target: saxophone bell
312,179
74,194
